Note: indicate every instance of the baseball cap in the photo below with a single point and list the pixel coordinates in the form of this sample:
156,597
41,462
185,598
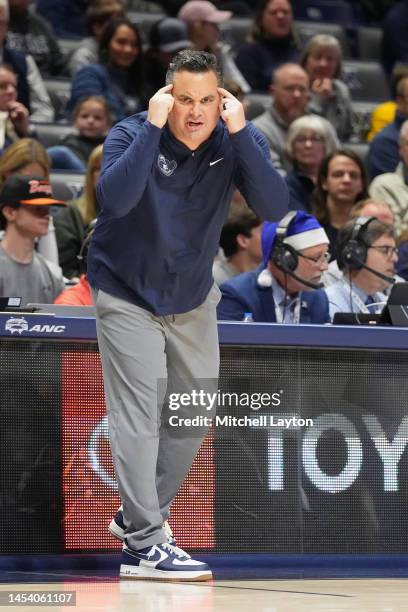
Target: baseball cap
202,10
32,190
169,35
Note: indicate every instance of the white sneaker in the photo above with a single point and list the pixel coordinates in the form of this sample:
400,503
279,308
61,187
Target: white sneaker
162,562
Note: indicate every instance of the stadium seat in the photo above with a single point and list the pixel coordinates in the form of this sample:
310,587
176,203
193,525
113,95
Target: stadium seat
366,80
50,134
258,103
369,43
360,148
307,29
67,185
59,91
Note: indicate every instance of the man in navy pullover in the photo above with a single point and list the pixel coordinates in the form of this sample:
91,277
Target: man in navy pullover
166,182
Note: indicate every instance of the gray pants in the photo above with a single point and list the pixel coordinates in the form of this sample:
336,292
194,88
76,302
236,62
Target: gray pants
144,357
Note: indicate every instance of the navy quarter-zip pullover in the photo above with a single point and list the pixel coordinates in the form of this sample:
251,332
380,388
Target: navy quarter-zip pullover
163,207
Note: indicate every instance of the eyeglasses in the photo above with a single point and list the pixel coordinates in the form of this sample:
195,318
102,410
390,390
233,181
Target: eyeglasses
386,250
324,258
305,139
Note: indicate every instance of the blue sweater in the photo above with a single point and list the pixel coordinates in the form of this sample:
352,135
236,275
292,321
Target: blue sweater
163,207
97,80
243,294
257,60
383,154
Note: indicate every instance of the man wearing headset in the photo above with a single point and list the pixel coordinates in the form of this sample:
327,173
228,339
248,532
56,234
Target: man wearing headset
286,287
367,255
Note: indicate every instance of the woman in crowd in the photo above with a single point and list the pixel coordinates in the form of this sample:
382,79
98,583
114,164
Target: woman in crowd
310,139
273,42
118,76
72,221
28,156
341,182
322,60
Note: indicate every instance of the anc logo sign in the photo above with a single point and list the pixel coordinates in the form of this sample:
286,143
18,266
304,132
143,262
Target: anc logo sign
17,325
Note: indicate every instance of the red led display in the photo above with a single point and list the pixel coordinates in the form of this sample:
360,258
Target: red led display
90,495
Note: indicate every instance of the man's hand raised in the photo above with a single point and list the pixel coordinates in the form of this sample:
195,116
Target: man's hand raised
160,105
231,111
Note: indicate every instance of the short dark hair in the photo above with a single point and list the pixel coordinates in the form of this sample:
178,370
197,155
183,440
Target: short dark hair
374,230
193,61
3,220
241,220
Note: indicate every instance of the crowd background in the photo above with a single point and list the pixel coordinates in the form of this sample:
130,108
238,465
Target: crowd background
326,83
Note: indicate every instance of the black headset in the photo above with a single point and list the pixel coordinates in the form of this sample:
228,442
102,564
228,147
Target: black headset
284,255
353,254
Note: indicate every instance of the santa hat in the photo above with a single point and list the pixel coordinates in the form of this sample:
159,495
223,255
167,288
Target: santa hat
304,231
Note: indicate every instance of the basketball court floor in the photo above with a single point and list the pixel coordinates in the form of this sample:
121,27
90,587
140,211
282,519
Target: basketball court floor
101,593
242,583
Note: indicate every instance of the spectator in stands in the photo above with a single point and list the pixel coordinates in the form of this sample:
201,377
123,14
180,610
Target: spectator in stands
203,19
383,154
363,242
118,76
80,294
368,207
24,215
98,14
392,187
240,241
371,207
28,156
341,183
166,37
273,43
31,90
310,139
92,120
14,116
290,95
67,17
29,33
72,221
322,60
384,113
296,246
394,41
